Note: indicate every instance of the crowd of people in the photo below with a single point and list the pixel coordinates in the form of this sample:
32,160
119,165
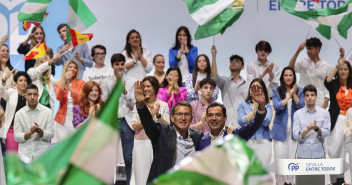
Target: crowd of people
167,116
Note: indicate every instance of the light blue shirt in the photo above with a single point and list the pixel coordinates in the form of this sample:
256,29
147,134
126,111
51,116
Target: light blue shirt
185,147
263,132
311,146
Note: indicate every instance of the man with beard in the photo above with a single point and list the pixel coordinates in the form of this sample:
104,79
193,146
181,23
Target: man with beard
216,115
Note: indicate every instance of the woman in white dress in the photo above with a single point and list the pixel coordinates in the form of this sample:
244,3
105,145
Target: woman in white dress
67,91
142,155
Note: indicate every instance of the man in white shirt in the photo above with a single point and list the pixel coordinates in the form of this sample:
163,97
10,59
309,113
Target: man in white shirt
262,68
126,104
100,71
33,127
313,70
234,89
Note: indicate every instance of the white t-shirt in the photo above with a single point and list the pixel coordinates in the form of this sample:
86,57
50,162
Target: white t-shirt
97,74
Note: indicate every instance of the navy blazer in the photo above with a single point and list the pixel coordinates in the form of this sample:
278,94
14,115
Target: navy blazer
245,132
279,129
163,138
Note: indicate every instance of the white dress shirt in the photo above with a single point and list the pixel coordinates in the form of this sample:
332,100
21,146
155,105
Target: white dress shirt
35,146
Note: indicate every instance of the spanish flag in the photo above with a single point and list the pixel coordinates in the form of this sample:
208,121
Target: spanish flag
79,38
37,51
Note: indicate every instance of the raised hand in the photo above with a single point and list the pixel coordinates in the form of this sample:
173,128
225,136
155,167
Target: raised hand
196,87
258,96
68,75
4,39
78,57
342,52
138,93
301,46
341,62
213,50
156,108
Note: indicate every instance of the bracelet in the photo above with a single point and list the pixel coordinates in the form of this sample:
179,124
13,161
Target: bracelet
317,129
3,81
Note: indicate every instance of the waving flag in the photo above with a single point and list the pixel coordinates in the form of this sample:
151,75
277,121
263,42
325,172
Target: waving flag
33,10
232,163
79,17
28,24
79,38
88,156
322,19
214,16
37,51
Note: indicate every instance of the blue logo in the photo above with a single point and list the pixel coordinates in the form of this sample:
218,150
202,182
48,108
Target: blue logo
293,166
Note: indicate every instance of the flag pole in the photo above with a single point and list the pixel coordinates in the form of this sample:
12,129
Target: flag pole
14,28
336,40
310,27
18,63
213,40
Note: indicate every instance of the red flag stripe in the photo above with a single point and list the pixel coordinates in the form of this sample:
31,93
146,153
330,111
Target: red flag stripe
73,37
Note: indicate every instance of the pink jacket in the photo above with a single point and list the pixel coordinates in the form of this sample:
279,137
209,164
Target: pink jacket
163,96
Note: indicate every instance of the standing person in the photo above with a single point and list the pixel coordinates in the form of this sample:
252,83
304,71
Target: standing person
268,71
138,59
41,77
36,36
79,53
142,148
311,125
199,107
100,71
15,98
89,103
126,104
287,99
339,84
5,68
67,91
313,70
233,88
159,65
33,127
183,54
260,142
171,90
201,71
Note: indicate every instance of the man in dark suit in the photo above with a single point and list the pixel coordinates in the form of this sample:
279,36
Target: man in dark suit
171,143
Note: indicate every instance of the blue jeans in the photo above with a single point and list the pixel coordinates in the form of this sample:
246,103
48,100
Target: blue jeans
127,139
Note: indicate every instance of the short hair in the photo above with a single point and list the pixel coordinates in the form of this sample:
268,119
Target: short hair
310,88
157,55
207,81
99,47
154,82
313,42
263,45
237,57
22,73
31,86
117,57
180,103
61,26
216,104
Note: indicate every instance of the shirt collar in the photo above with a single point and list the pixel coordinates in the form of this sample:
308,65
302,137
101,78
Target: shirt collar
308,111
29,109
201,102
221,134
180,137
260,64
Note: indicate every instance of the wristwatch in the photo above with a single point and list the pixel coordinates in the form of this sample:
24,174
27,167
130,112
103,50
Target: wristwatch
158,116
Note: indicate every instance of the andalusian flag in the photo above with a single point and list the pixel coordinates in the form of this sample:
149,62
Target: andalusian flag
33,10
79,17
321,18
37,51
79,38
28,24
214,16
88,156
230,163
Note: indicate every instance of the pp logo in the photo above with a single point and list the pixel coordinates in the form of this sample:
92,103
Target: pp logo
293,166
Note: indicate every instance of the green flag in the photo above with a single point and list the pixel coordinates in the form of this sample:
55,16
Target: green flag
33,10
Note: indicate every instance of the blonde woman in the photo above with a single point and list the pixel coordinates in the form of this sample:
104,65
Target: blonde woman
42,78
67,91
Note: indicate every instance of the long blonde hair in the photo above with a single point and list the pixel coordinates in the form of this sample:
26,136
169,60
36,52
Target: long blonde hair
33,42
64,68
47,72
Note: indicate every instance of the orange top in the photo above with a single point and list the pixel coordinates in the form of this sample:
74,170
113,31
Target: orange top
343,100
62,96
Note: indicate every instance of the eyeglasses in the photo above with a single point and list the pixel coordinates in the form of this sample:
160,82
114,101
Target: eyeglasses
179,114
100,54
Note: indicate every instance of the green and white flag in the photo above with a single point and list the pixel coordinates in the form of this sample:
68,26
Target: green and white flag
79,17
214,16
230,163
88,156
322,19
33,10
